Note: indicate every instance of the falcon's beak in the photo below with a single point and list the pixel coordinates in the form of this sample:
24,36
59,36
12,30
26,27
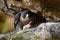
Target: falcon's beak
27,15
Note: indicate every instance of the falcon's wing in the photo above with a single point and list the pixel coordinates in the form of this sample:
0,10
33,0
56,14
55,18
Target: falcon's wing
16,19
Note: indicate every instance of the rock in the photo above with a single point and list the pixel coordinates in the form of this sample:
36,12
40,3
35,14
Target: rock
44,31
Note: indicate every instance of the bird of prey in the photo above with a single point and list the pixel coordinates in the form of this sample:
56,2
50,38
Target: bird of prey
25,16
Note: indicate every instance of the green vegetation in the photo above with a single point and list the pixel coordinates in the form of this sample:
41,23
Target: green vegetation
4,27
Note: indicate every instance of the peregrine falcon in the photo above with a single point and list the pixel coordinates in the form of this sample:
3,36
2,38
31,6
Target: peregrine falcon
25,16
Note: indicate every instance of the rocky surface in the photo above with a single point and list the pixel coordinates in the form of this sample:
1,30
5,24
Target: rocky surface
45,31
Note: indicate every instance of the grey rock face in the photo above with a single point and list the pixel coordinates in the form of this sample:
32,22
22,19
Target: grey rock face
49,28
46,30
43,31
